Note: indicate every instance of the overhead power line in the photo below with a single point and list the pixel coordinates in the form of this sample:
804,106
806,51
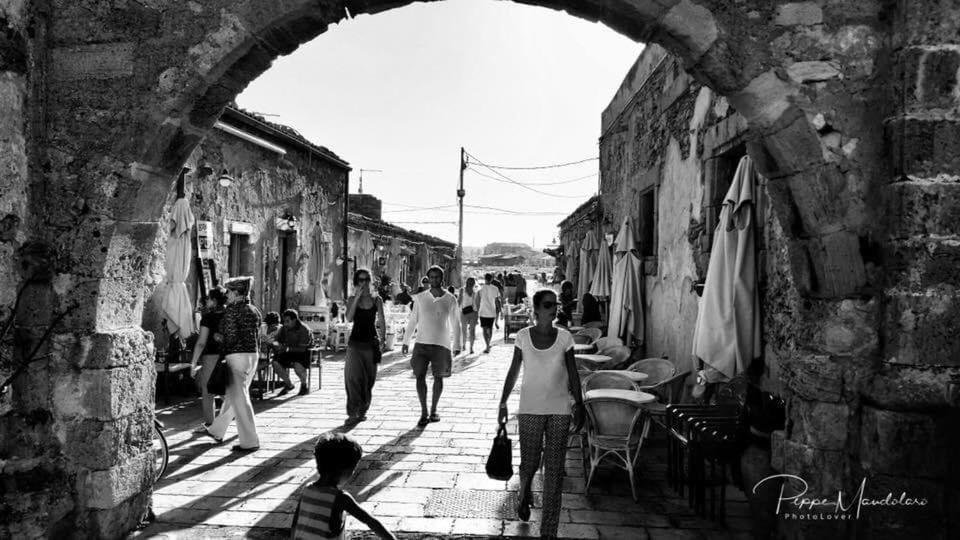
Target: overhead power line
572,180
512,181
538,167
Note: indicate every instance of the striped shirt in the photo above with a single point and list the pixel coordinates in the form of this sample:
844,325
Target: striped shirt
318,514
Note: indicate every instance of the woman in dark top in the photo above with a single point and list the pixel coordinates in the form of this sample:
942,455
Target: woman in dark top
568,303
239,332
365,311
591,310
206,352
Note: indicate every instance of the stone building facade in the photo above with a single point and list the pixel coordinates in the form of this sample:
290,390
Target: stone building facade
399,253
282,205
851,108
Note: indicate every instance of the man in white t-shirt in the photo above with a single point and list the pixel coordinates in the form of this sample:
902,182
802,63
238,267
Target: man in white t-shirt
489,299
436,318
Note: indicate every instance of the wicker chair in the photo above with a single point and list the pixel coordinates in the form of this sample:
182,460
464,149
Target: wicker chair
605,344
593,333
619,356
657,369
600,379
614,434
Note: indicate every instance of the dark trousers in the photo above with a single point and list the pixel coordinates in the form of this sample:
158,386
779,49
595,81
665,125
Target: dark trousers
359,374
544,435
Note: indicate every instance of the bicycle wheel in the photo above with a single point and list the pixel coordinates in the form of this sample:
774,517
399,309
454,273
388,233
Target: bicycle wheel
161,453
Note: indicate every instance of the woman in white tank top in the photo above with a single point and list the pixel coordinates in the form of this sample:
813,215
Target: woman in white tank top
549,379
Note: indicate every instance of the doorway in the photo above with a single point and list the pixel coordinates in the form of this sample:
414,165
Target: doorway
288,263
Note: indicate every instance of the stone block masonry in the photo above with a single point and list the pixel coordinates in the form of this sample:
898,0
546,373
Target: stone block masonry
851,112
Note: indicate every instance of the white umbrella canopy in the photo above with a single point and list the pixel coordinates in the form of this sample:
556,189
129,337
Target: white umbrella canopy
393,259
727,333
176,304
588,262
600,285
626,295
317,265
364,249
571,252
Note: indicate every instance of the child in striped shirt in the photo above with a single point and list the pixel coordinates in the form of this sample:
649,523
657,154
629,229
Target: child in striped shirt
320,512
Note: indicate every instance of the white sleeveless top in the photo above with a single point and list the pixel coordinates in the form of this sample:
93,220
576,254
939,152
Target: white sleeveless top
545,388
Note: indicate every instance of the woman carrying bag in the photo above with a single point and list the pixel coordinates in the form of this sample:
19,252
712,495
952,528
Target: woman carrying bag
238,336
550,378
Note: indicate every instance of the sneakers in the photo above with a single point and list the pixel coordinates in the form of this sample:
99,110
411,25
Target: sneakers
201,429
303,390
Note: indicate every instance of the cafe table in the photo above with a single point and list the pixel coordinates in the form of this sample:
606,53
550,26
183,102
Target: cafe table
583,347
591,361
575,329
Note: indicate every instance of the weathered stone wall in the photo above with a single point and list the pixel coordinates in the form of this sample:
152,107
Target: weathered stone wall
658,138
119,94
267,187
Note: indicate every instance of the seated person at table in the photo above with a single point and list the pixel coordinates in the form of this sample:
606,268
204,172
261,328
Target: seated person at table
403,298
268,334
568,304
591,312
293,341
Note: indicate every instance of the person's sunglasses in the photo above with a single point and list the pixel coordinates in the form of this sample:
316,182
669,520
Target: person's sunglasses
363,279
548,305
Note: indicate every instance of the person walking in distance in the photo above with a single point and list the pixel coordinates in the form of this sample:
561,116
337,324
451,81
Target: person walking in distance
468,313
238,335
488,298
365,311
550,378
436,318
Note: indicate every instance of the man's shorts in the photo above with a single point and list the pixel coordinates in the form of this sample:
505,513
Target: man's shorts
438,357
487,322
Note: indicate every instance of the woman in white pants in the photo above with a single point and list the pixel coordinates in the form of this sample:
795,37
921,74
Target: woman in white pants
238,342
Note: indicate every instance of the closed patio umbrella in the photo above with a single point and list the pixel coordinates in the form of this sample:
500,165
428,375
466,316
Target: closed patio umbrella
364,249
393,259
423,261
588,261
176,304
727,333
317,265
626,295
571,252
600,285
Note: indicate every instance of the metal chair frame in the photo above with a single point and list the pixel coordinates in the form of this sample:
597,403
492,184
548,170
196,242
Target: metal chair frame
624,448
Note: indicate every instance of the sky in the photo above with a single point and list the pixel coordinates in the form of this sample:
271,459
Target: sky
401,91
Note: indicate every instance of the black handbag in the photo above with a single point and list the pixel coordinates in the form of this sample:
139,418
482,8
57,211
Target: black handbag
219,377
500,461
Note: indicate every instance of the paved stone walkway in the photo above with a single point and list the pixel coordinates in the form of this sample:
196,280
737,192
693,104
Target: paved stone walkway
422,483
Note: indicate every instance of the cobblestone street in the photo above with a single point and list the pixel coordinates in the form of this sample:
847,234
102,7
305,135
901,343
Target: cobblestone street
420,482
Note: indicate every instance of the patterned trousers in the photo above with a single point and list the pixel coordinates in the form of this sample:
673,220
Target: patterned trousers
534,430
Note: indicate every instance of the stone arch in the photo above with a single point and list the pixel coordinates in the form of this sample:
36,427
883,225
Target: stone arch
240,44
132,90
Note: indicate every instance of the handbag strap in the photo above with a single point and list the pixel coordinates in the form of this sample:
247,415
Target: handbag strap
502,430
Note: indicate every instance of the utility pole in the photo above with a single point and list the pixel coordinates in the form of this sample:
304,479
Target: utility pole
360,187
460,194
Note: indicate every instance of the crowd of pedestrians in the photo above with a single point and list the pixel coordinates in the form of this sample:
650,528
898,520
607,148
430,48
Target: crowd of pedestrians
443,323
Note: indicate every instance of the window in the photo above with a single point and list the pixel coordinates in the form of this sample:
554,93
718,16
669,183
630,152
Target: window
240,255
648,222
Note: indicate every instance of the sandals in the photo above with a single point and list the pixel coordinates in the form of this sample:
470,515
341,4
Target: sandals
424,420
523,508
